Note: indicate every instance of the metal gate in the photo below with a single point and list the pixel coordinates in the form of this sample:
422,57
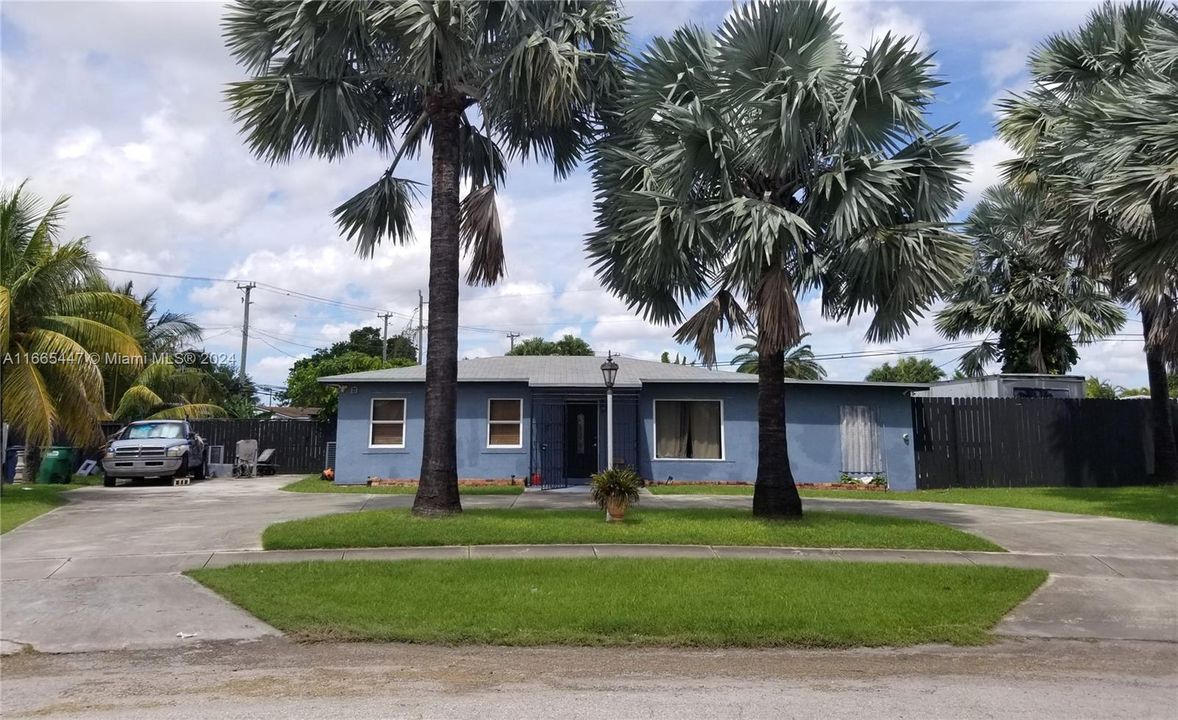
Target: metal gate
548,444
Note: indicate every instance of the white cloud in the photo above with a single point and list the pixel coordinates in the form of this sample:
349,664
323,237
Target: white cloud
864,23
985,158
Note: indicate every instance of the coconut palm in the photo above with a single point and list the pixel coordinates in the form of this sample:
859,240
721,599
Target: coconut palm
767,162
478,83
164,332
1096,133
58,325
167,390
1038,304
799,360
160,334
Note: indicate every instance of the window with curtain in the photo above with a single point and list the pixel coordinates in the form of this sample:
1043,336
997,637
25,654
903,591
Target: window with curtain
687,430
388,423
505,423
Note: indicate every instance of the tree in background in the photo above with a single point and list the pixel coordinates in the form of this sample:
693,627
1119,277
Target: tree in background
55,310
1095,133
366,341
1038,303
665,358
763,162
360,352
1098,389
907,370
304,389
799,359
479,84
567,345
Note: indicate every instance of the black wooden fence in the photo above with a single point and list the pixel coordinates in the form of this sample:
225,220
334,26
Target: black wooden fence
988,442
299,447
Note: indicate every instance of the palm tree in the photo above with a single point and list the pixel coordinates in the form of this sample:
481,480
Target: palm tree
1095,133
167,390
1036,302
799,360
766,162
160,334
58,325
163,332
483,83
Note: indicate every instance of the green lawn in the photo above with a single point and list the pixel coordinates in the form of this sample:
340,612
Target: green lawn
707,603
1153,503
688,526
315,484
21,503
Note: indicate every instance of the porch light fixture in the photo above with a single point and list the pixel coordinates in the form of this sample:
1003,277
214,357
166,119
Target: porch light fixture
609,371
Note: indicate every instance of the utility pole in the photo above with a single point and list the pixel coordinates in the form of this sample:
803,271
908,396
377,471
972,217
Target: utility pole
420,328
384,338
512,336
245,326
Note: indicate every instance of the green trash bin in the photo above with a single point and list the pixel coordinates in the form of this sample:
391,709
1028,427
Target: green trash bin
57,465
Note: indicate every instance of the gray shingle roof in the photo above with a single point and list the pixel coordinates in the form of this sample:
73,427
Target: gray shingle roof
570,371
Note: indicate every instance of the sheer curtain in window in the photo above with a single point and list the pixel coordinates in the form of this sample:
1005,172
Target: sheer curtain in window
705,430
671,421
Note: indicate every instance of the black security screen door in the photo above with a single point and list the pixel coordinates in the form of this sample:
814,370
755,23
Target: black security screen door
548,444
580,440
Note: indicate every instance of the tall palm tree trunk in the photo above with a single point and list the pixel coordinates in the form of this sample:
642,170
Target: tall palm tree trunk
437,490
775,495
1165,449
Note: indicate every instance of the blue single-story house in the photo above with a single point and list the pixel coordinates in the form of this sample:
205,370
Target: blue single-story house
545,417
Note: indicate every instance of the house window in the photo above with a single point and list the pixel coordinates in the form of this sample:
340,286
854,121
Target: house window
860,437
505,423
688,430
388,423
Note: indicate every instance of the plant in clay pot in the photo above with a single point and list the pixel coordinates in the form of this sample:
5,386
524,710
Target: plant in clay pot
614,490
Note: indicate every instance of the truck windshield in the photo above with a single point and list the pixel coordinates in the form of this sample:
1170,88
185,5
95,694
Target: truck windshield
154,430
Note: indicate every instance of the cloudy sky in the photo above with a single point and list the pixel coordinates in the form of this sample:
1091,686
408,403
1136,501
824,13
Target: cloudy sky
120,106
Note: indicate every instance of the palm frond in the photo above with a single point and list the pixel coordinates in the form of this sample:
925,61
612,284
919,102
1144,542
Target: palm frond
482,236
381,210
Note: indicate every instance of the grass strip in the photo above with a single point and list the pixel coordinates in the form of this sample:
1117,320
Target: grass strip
1152,503
667,602
685,526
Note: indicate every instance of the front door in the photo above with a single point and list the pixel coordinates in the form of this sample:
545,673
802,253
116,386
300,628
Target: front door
580,440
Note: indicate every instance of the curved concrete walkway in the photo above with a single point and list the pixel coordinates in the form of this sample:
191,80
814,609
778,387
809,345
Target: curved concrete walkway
103,572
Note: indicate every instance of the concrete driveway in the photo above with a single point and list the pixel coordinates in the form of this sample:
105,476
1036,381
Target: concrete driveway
102,572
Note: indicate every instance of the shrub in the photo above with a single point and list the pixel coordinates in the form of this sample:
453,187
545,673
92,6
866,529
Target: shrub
618,484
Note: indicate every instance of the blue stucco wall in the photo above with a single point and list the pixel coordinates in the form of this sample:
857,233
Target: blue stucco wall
813,416
813,431
356,461
813,419
739,436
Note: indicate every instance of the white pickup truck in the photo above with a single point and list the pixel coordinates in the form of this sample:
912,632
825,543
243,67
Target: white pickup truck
155,448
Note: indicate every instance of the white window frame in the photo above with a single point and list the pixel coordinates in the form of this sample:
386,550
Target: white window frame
654,445
518,423
404,421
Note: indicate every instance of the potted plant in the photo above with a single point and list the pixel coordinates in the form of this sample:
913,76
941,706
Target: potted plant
614,490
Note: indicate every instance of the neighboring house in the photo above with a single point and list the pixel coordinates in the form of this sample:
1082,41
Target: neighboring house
534,416
289,412
1010,385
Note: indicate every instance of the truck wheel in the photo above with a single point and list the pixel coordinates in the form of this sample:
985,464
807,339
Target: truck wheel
108,481
200,473
182,471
